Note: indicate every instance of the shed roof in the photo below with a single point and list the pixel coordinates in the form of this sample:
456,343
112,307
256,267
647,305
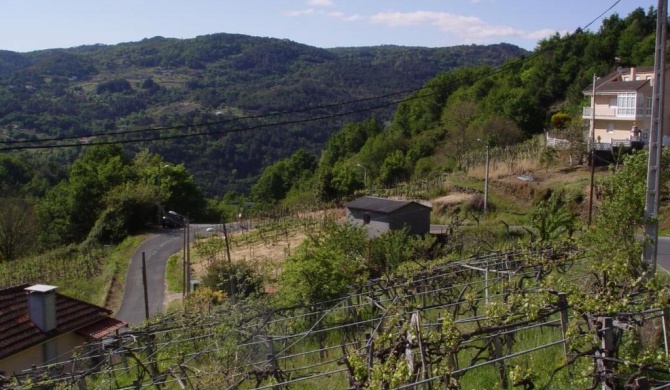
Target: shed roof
381,205
18,332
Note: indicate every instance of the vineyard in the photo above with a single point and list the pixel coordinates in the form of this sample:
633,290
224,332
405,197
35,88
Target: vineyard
508,319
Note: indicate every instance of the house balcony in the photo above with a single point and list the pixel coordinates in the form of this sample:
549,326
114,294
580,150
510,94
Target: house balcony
613,113
632,142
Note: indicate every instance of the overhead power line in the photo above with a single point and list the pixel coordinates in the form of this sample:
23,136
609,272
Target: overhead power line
226,121
220,132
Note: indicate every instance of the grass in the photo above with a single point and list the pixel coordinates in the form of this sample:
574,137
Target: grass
96,275
174,274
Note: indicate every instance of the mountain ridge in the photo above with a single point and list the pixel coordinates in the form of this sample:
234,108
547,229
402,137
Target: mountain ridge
165,82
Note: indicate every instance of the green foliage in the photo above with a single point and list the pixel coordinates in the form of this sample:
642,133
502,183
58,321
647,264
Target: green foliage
611,241
548,157
349,140
395,247
291,174
18,228
560,120
325,266
393,168
107,197
241,276
553,217
14,173
128,209
161,82
114,86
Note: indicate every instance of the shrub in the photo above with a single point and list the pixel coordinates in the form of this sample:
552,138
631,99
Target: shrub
244,278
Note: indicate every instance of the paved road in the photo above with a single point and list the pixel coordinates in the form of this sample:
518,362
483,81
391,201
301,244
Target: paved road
157,250
663,254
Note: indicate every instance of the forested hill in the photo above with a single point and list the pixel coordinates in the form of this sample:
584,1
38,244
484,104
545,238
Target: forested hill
221,78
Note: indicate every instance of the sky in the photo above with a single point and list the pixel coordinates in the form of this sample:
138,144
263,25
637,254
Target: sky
27,25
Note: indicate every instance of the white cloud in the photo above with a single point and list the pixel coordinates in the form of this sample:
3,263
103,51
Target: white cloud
309,11
321,3
344,17
335,14
467,28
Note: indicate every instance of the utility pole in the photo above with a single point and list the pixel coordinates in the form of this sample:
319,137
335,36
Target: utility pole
650,252
365,174
592,145
486,175
185,266
144,285
231,282
188,257
486,179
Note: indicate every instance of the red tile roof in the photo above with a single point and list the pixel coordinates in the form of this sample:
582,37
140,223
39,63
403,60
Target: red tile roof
101,328
18,332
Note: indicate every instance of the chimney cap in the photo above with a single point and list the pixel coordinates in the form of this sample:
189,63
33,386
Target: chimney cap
41,288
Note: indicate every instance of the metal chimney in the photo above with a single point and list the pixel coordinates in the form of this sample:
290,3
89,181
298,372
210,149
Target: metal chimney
42,306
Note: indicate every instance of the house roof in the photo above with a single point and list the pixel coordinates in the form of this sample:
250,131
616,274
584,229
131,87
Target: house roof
102,328
613,82
621,86
18,332
380,205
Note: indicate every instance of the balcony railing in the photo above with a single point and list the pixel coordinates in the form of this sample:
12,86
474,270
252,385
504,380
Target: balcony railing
614,112
626,143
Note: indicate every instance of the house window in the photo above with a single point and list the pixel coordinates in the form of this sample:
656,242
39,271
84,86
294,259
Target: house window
626,104
648,108
613,102
366,219
610,128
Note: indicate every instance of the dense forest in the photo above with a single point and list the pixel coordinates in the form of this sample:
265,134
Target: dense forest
466,109
214,87
250,116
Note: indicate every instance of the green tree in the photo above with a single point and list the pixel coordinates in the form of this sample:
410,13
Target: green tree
128,209
180,192
245,280
99,170
276,181
611,240
347,177
325,266
270,186
349,140
457,121
395,247
393,169
70,209
14,173
18,228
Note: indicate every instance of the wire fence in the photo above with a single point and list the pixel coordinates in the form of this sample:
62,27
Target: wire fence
460,322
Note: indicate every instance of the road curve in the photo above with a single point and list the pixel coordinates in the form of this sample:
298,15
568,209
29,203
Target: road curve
157,249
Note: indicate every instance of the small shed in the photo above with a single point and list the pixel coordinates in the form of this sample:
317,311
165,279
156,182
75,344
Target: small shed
379,215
